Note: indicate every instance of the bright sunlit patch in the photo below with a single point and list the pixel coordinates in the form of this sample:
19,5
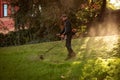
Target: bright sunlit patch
115,3
110,41
107,41
76,62
105,62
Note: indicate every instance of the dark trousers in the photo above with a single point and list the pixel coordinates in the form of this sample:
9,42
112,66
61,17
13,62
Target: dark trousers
68,44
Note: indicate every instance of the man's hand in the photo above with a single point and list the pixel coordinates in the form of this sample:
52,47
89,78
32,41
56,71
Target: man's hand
62,36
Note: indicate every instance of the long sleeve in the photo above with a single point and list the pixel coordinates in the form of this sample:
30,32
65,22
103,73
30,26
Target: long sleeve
62,31
68,28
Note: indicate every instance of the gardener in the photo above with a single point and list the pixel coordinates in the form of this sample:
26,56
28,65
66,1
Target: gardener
66,33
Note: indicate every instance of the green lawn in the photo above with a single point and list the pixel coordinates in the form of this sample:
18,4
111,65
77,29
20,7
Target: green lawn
94,61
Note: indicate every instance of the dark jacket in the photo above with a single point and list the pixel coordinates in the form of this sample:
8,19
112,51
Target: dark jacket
67,28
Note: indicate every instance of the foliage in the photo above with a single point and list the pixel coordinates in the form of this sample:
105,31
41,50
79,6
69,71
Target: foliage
88,12
41,17
14,38
98,69
116,50
27,36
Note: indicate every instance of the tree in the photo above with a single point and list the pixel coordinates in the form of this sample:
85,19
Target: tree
102,11
41,17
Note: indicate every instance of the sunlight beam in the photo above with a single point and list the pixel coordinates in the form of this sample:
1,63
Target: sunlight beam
115,3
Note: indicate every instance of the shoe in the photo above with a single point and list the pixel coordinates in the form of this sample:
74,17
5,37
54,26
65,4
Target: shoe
72,55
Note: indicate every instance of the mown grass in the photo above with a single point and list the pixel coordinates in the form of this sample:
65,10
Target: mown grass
93,61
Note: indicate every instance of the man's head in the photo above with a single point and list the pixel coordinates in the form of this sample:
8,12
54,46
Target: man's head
64,17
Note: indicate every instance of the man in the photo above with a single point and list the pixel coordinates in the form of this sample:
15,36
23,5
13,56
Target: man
67,34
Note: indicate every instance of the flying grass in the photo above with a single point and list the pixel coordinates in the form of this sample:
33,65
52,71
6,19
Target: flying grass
93,61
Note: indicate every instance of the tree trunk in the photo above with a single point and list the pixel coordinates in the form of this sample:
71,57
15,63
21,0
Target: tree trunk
103,11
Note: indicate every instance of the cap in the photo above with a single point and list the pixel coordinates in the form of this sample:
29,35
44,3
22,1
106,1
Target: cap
63,15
